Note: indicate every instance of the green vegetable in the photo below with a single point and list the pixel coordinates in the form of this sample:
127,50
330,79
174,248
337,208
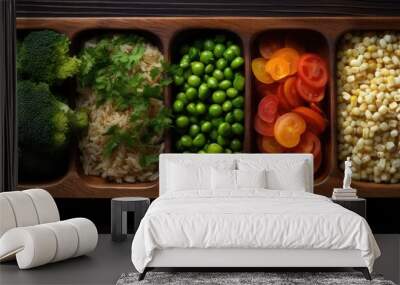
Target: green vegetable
212,97
43,56
44,122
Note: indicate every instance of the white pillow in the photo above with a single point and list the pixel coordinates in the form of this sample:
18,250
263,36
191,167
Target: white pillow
280,174
183,177
223,179
187,174
251,178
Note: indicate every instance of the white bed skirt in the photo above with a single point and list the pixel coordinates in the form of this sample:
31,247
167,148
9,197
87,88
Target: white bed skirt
193,257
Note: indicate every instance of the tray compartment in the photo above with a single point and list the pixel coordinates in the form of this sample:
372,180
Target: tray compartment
63,160
189,35
79,40
314,42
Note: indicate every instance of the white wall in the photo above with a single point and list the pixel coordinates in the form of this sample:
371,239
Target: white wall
389,262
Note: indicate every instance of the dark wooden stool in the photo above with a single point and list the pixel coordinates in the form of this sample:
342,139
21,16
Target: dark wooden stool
119,208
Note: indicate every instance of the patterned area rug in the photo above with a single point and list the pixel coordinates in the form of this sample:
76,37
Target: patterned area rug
253,278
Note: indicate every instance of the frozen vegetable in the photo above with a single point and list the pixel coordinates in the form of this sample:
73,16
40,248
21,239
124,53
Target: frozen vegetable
43,56
208,100
290,84
368,111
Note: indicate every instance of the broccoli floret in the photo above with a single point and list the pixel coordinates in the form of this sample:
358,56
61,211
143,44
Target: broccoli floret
44,57
44,123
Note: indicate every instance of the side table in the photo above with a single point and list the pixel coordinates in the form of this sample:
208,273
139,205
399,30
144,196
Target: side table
119,208
357,205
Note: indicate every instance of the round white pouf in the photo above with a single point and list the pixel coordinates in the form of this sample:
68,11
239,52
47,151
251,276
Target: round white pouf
7,218
23,208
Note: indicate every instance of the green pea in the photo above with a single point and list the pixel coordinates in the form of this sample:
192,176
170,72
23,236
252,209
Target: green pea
236,145
178,106
182,97
191,108
224,129
236,49
185,61
209,45
179,80
231,92
214,148
225,84
187,73
194,80
220,38
238,102
186,141
215,110
191,93
228,73
193,120
238,82
221,140
238,115
206,56
216,122
221,63
218,74
203,91
202,151
230,118
212,83
197,68
214,135
199,140
186,86
218,96
227,150
237,129
194,130
182,122
219,50
200,108
227,106
229,54
209,68
193,53
206,127
237,62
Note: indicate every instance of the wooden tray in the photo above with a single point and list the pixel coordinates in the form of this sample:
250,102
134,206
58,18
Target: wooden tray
166,33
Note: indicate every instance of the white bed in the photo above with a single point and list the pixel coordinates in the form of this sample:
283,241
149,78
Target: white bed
249,227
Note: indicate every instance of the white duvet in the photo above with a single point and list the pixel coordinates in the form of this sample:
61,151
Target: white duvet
256,218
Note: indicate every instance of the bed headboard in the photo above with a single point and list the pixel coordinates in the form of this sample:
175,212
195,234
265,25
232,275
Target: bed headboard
209,158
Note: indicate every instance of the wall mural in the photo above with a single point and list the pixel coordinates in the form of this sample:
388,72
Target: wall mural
114,94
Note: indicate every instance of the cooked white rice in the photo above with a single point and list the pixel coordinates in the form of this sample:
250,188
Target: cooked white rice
123,165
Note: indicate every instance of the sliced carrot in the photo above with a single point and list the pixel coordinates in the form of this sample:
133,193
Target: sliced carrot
290,92
268,108
263,128
309,143
315,121
288,129
266,89
313,70
317,108
270,145
309,93
258,68
269,44
290,55
278,68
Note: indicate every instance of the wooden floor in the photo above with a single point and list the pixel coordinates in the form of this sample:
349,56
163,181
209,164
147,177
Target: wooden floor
103,266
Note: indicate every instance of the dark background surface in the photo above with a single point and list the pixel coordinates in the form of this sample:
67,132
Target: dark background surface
383,214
